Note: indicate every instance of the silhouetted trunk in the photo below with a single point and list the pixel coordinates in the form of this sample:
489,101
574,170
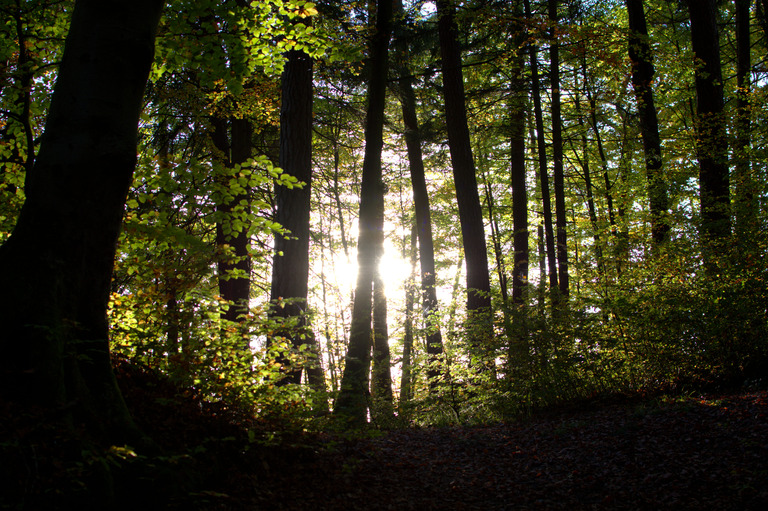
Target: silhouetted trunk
467,197
587,174
642,79
406,385
557,158
232,139
57,264
352,402
421,208
290,268
381,374
745,203
518,107
712,143
546,202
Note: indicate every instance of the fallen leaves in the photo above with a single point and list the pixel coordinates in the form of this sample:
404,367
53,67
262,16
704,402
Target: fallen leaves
701,453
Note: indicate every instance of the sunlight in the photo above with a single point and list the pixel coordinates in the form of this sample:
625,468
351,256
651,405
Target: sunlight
393,268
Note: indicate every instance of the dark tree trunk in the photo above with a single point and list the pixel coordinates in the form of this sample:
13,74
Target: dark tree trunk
420,204
549,235
352,402
600,148
381,379
232,138
518,105
712,143
642,79
406,384
745,204
561,220
584,162
290,268
57,264
467,197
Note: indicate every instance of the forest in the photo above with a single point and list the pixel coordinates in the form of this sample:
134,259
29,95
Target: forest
241,242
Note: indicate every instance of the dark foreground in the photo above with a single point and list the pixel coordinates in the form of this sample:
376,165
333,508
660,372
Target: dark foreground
697,453
702,452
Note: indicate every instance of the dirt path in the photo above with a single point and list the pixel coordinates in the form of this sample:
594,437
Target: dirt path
693,454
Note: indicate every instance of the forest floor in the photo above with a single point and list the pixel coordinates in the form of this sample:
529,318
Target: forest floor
702,451
706,452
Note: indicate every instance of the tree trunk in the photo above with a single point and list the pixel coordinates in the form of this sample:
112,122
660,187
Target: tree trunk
518,106
290,268
232,138
406,383
420,205
381,380
467,197
58,262
712,143
745,203
546,202
642,79
561,220
352,402
591,210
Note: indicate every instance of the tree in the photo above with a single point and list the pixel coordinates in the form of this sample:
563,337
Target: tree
712,142
546,202
465,179
557,156
352,402
290,269
745,206
423,227
58,261
232,139
642,82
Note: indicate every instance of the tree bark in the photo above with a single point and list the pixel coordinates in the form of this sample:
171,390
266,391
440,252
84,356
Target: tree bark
745,193
57,264
712,143
642,80
232,139
518,104
421,207
549,235
561,220
290,267
352,402
465,179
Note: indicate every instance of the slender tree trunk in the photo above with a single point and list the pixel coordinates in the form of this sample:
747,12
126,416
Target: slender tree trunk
381,380
58,262
561,220
518,105
406,384
762,15
642,79
352,402
745,203
546,201
232,139
600,149
470,212
584,162
712,144
420,205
